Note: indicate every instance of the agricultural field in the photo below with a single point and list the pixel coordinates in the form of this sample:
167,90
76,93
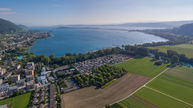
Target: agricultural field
165,91
186,49
175,87
130,102
182,73
20,101
142,66
159,100
97,98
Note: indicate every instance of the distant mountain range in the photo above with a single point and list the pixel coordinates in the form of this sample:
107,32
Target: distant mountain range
168,24
9,27
178,27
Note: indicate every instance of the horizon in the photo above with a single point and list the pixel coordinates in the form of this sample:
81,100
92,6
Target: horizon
91,12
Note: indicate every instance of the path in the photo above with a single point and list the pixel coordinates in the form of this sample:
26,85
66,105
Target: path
142,86
169,96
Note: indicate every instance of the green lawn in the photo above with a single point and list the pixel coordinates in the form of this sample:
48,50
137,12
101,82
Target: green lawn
143,66
20,101
131,103
159,100
182,73
175,87
186,49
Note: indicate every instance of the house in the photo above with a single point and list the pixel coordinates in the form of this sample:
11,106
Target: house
30,66
42,80
4,90
29,72
29,77
7,75
2,71
13,88
21,84
30,85
15,78
18,66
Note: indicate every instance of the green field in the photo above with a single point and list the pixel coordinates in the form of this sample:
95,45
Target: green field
143,66
186,49
182,73
159,100
130,103
175,87
20,101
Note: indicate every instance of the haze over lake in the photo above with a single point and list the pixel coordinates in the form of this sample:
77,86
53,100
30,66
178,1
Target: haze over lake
84,40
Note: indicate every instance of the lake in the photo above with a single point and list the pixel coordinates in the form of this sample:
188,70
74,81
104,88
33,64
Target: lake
83,40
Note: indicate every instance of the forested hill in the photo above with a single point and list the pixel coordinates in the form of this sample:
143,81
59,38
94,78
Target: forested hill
186,29
8,27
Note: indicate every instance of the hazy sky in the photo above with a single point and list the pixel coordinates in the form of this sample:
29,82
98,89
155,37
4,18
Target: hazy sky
59,12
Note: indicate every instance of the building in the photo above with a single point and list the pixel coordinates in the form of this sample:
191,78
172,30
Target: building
4,89
15,78
21,83
29,77
30,66
30,85
42,80
1,81
13,89
18,66
29,72
2,71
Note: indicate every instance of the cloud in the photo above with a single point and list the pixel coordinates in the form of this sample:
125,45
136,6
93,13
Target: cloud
6,11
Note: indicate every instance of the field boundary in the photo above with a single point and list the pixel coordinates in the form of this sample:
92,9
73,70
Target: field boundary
177,99
141,86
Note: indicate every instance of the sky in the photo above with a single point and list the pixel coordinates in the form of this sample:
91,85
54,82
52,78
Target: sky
65,12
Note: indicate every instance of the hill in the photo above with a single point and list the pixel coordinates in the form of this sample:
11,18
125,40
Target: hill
186,29
7,26
23,27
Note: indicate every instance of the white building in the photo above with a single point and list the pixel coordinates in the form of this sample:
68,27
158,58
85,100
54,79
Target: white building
2,71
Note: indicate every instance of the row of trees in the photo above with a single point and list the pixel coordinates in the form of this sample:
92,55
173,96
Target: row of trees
171,56
100,76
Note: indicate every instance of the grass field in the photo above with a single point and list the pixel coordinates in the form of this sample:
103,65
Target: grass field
159,100
186,49
18,101
175,87
182,73
142,66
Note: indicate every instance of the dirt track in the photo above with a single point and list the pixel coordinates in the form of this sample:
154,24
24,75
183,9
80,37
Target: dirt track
97,98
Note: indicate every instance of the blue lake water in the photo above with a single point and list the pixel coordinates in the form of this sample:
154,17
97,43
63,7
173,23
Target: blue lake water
83,40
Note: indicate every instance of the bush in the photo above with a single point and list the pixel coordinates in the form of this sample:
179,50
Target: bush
158,63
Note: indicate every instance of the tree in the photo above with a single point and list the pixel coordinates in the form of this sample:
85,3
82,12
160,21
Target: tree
174,59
